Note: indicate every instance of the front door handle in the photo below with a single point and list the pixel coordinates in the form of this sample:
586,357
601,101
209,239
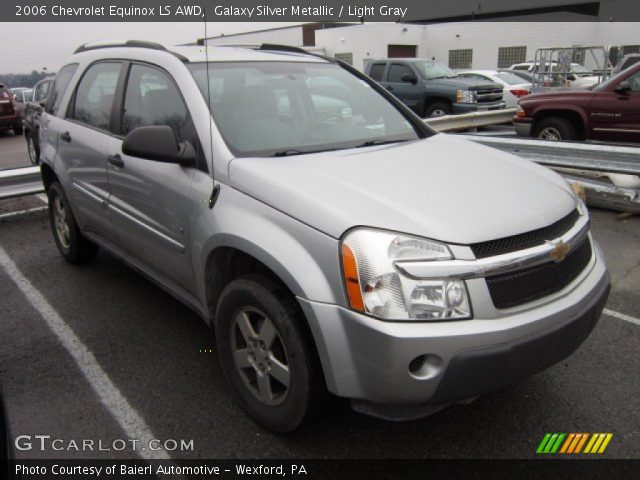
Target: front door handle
66,137
116,160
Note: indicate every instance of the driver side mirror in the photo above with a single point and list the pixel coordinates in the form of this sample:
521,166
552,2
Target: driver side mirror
159,143
623,88
409,78
571,77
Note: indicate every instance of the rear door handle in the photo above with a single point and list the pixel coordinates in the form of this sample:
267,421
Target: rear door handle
66,137
116,161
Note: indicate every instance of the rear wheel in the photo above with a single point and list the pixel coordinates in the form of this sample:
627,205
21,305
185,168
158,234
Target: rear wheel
266,354
556,129
18,129
32,148
73,246
439,109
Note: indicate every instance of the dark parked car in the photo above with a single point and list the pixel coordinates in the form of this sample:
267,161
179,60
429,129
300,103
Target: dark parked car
431,89
10,115
33,112
609,111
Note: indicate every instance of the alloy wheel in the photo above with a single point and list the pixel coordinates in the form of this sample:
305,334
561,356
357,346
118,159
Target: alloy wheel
260,356
63,231
31,146
550,133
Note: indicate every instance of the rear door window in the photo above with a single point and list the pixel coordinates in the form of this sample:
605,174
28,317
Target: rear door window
94,96
377,71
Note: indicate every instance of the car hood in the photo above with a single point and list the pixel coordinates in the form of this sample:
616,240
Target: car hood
442,187
465,83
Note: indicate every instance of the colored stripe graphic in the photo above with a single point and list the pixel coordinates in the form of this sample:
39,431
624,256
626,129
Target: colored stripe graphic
573,443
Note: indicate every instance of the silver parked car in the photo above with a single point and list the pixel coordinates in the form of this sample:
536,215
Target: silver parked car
333,240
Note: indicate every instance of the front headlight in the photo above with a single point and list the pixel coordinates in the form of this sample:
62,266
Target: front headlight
465,96
375,286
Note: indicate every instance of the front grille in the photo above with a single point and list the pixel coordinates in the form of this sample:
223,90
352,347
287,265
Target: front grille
513,289
525,240
487,96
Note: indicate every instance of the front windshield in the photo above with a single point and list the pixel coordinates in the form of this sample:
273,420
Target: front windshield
286,108
432,69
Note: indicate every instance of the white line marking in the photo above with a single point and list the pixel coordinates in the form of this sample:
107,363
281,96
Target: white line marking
124,414
43,197
622,316
22,212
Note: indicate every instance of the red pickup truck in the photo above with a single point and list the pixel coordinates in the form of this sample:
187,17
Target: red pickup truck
609,111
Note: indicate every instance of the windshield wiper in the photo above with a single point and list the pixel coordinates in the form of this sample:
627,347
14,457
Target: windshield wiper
294,151
288,152
371,143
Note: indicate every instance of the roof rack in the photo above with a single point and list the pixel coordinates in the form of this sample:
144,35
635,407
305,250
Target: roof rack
129,43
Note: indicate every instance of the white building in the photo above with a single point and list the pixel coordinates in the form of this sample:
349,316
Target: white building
478,45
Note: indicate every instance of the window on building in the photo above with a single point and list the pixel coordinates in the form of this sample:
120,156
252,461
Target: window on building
578,55
377,71
460,58
507,56
345,57
627,49
396,72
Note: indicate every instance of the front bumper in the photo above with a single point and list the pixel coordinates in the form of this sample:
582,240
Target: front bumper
368,360
523,129
477,107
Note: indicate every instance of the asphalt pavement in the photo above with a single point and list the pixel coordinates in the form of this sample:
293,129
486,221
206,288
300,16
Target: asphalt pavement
13,150
99,352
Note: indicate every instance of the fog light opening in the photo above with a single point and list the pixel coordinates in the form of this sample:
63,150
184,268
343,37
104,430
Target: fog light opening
425,366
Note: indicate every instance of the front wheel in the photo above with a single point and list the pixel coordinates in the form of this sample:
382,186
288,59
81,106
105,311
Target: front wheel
556,129
439,109
266,354
74,247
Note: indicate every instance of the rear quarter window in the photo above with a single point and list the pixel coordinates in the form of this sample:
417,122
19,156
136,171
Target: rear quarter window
59,87
377,71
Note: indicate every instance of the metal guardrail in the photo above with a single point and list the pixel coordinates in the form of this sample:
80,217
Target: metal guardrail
574,161
465,121
17,182
580,156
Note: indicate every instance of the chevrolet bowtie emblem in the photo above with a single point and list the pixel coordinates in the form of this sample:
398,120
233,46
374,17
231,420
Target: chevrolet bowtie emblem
559,251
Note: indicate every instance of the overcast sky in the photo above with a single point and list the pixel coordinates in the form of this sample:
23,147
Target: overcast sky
31,46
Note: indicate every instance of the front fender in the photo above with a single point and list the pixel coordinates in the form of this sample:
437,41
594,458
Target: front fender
305,259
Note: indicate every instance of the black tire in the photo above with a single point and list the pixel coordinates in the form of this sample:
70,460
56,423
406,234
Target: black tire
74,247
258,295
437,109
18,129
33,149
556,129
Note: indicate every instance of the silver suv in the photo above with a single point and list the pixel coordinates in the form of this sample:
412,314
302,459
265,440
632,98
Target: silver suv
332,239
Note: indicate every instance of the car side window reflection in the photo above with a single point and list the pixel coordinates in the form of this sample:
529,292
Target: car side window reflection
152,98
634,81
94,97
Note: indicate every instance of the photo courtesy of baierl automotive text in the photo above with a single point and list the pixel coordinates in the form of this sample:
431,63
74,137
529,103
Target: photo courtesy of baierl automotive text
309,239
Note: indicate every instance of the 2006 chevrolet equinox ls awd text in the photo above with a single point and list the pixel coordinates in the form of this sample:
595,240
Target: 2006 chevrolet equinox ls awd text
332,239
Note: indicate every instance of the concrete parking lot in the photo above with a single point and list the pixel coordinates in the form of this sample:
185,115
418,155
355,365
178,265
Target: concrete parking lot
99,352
